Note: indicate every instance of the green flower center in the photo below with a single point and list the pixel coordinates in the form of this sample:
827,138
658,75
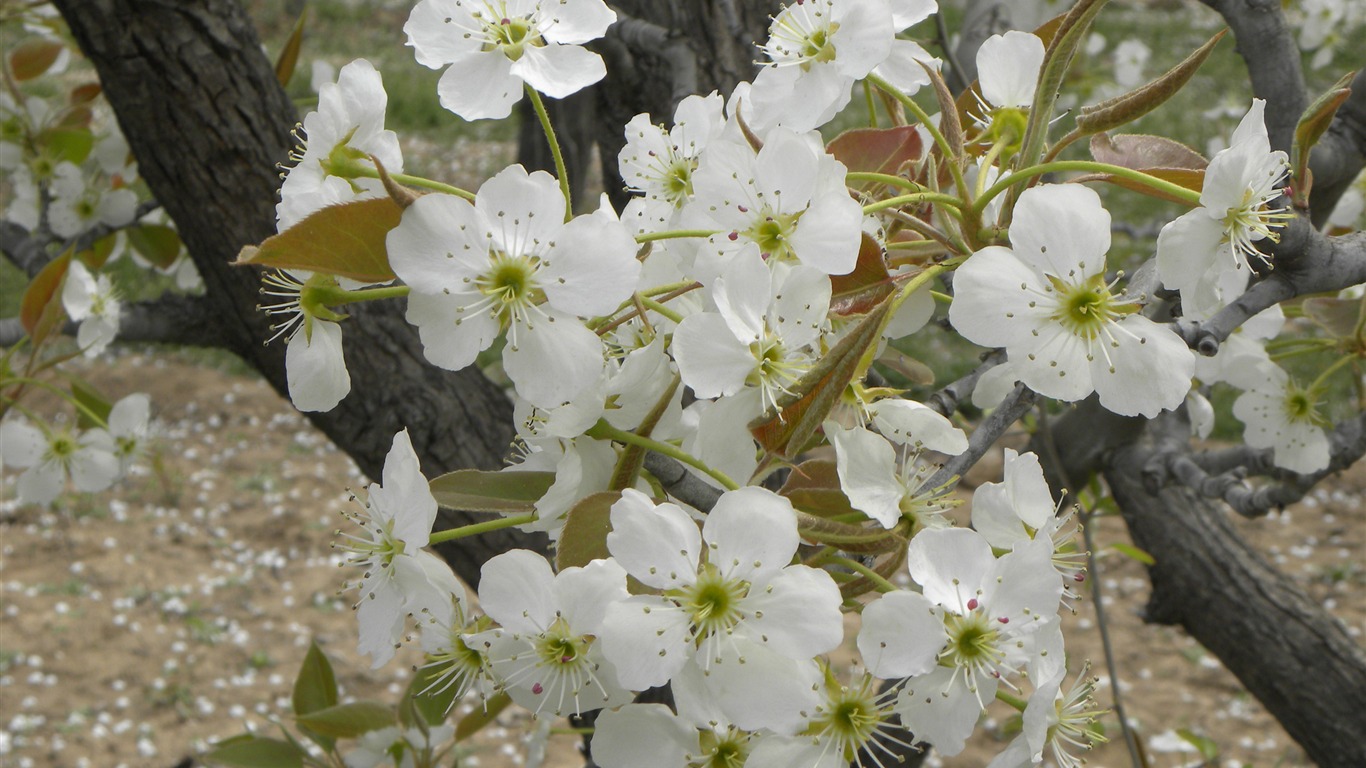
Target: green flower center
819,46
974,644
559,646
721,750
512,36
62,448
713,601
1007,127
773,235
1301,406
1085,309
510,283
678,181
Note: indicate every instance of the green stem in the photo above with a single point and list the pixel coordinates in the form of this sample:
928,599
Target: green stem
648,237
955,205
1341,361
872,106
924,118
661,309
885,178
1152,182
413,181
334,297
59,392
605,431
560,171
882,584
1015,701
474,529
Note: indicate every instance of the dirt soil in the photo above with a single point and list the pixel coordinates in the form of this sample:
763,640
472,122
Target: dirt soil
140,624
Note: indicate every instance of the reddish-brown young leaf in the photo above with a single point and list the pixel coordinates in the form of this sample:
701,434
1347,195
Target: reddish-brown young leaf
876,150
84,93
289,55
784,431
1338,316
866,286
40,309
1311,127
1128,107
1141,152
33,57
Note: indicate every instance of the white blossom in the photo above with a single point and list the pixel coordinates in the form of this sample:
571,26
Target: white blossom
509,262
92,301
1047,302
494,46
1207,253
347,127
49,456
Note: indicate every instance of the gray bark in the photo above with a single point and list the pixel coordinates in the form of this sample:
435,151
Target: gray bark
203,113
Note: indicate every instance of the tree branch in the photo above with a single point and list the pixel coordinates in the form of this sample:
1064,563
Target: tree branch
1014,405
1293,656
1306,261
1347,444
1340,154
1267,45
23,250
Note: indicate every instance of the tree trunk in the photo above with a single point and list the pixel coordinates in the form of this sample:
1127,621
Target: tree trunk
209,124
1292,655
657,54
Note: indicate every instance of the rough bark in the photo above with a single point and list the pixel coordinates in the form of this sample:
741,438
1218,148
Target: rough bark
657,53
1292,655
1289,653
204,115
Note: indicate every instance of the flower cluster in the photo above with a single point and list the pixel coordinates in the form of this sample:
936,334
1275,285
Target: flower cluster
723,612
728,318
93,459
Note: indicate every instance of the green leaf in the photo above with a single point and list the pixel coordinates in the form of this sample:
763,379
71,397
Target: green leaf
1133,553
476,490
876,150
88,396
1311,127
347,240
814,488
423,700
40,309
67,144
1128,107
33,57
348,721
785,429
289,55
1072,33
97,254
1208,749
476,720
249,751
585,531
866,286
315,688
157,243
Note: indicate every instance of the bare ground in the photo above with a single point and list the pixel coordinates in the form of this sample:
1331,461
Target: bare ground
140,624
